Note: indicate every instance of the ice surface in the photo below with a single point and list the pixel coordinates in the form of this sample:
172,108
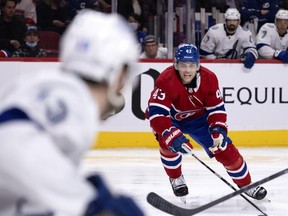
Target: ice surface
139,171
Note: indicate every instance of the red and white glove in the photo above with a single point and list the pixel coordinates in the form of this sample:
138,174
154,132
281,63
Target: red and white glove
219,136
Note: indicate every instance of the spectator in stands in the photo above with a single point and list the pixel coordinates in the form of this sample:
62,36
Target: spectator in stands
149,8
127,7
103,6
229,41
12,29
77,5
135,22
256,13
152,49
221,5
27,9
233,3
53,15
30,48
272,39
283,4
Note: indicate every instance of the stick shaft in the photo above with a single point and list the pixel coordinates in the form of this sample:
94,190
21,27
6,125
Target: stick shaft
189,151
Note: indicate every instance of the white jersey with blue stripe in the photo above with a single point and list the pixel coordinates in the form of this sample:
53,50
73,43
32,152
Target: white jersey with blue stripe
46,125
217,44
268,41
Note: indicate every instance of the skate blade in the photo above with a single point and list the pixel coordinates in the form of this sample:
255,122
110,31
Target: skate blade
265,199
183,199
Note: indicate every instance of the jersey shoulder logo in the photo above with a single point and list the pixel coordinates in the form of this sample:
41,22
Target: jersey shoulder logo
54,107
206,38
270,25
56,111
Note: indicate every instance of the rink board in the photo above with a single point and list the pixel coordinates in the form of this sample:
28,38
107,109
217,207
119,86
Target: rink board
256,101
277,138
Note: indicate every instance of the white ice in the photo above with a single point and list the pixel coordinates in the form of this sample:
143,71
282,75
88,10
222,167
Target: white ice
136,172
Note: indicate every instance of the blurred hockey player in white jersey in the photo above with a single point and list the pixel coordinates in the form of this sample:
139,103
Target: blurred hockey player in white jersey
48,120
229,41
272,39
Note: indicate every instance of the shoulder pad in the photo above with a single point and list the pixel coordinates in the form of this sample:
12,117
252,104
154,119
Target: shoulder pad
215,27
270,25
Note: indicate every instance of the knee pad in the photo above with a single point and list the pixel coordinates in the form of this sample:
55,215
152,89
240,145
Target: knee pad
235,165
230,157
167,153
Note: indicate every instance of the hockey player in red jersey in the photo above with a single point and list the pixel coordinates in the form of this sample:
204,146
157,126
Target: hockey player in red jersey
187,100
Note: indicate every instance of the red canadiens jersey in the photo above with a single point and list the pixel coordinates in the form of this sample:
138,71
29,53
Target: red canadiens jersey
172,100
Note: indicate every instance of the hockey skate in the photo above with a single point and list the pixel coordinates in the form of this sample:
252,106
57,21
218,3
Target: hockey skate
179,187
257,193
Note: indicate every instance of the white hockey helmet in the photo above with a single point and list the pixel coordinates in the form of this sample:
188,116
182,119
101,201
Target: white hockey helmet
282,14
232,14
96,46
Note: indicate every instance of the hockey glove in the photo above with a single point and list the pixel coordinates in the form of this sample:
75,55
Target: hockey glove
174,139
219,136
282,55
107,204
249,60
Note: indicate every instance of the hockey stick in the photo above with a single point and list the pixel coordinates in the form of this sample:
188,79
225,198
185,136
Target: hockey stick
162,204
189,151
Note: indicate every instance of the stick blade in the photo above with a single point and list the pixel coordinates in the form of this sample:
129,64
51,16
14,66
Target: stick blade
165,206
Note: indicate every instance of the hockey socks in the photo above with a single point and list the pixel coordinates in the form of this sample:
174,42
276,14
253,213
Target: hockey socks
235,165
172,163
